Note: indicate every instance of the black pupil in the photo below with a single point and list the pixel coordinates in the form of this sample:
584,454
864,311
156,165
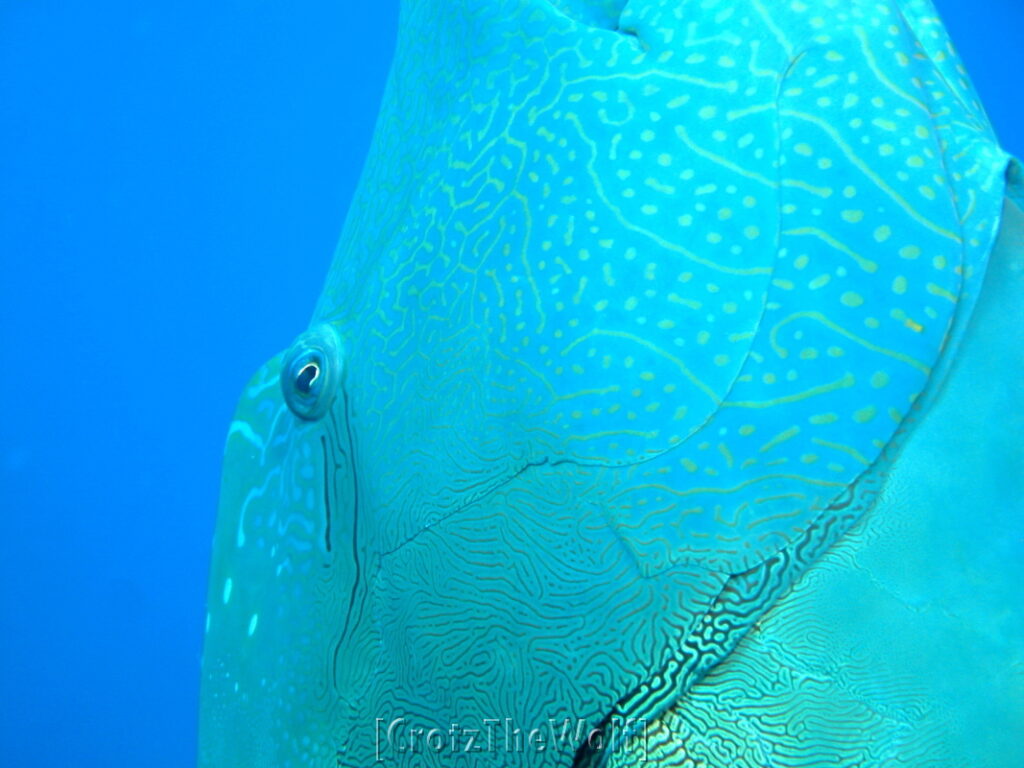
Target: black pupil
304,381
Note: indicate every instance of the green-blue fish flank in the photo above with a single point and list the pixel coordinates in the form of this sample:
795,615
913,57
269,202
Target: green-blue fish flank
661,404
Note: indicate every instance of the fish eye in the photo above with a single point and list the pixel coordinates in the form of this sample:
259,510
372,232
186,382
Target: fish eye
312,371
307,378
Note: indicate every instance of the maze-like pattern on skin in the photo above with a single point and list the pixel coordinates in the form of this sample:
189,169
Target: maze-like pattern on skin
723,246
734,611
636,301
903,645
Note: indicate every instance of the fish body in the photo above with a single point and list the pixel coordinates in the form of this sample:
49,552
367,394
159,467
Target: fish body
636,308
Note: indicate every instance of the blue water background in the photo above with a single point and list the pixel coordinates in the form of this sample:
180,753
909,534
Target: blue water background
172,183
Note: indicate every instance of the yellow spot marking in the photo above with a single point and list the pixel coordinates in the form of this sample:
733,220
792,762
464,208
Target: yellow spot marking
646,344
938,290
578,296
717,490
822,192
866,414
866,264
877,180
780,438
718,159
651,235
497,286
820,318
606,270
724,450
851,299
846,381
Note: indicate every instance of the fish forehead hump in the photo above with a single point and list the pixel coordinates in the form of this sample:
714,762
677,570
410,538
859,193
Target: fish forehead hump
632,312
716,253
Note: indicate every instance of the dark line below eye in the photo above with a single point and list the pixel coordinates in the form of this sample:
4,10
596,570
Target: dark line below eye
355,506
355,532
327,495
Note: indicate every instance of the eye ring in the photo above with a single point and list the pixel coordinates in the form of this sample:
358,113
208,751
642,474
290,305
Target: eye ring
312,371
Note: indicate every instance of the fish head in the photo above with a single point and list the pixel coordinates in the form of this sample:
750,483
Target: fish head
631,304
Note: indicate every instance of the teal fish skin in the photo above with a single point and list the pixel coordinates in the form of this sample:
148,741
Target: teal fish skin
635,306
904,644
